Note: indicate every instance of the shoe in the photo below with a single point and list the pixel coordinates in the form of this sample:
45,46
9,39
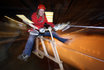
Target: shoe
68,41
23,57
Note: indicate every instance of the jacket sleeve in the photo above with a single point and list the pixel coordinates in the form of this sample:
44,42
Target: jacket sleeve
33,17
50,23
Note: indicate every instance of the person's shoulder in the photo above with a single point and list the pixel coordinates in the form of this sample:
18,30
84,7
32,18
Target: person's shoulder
34,14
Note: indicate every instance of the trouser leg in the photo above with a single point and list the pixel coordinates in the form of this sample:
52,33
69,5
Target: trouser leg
56,36
29,45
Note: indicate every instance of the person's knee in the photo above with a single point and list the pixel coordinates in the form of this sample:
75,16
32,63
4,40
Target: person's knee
54,34
31,39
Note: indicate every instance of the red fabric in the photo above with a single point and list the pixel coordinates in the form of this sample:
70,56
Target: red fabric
38,23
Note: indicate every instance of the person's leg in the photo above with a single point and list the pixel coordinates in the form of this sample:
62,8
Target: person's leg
27,51
29,45
56,36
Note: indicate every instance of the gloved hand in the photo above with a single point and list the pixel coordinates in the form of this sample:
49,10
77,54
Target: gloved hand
62,26
42,30
56,27
34,32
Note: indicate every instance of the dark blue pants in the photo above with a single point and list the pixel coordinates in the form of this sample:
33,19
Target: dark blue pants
30,42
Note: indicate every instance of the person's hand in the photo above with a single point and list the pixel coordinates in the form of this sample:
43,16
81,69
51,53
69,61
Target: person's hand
63,26
34,32
56,28
42,30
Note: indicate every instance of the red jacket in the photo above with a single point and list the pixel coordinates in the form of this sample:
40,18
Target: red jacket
38,21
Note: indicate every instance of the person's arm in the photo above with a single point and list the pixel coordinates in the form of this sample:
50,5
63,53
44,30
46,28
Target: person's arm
34,19
51,24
